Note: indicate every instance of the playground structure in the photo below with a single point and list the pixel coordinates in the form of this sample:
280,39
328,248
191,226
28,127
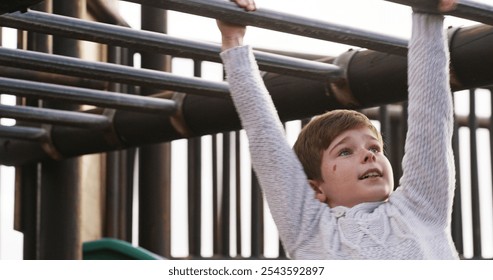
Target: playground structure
86,117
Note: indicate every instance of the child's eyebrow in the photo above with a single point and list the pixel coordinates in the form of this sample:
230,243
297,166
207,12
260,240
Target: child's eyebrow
342,141
371,137
347,138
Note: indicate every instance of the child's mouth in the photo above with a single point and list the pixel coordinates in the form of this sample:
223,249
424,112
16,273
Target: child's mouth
373,173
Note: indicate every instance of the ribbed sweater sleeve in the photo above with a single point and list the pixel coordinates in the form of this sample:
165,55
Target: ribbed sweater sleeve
428,167
279,171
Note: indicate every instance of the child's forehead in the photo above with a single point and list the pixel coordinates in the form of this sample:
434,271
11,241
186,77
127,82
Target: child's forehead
363,133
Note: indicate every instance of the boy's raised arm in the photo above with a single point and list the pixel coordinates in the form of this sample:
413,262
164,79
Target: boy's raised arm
279,171
428,167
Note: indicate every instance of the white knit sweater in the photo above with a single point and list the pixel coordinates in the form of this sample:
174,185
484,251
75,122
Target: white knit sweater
415,222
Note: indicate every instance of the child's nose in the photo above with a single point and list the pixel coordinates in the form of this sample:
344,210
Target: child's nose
369,156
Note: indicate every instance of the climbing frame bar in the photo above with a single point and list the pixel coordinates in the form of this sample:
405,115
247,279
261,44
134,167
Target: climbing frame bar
467,9
111,72
284,22
158,42
87,96
23,133
51,116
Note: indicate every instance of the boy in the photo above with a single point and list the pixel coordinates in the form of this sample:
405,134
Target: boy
340,156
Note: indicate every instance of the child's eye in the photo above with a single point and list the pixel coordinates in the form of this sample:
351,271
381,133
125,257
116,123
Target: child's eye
344,152
374,149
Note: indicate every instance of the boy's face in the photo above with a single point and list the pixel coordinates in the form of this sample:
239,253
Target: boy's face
354,170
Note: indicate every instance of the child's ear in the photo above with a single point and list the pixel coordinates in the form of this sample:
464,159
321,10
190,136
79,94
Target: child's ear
318,192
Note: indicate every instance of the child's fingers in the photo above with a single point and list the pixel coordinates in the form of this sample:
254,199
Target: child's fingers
447,5
248,5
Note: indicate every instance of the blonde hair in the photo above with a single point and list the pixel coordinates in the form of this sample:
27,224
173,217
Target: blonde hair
319,133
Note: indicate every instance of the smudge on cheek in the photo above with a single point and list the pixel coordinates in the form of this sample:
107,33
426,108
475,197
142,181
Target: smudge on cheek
334,168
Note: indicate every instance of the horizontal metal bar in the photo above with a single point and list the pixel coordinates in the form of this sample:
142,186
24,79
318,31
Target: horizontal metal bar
284,22
52,78
111,72
23,133
395,112
157,42
87,96
474,11
466,9
51,116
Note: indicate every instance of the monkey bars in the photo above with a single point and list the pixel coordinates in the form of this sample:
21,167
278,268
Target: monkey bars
370,78
153,41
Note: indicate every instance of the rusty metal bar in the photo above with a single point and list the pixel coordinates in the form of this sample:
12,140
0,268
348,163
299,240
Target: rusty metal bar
87,96
52,116
465,9
283,22
158,42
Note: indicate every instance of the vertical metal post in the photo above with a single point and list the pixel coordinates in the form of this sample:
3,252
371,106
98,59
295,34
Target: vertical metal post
194,197
154,161
110,228
216,231
194,173
60,180
225,212
27,205
119,172
238,192
476,221
257,219
112,179
490,89
127,162
27,175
